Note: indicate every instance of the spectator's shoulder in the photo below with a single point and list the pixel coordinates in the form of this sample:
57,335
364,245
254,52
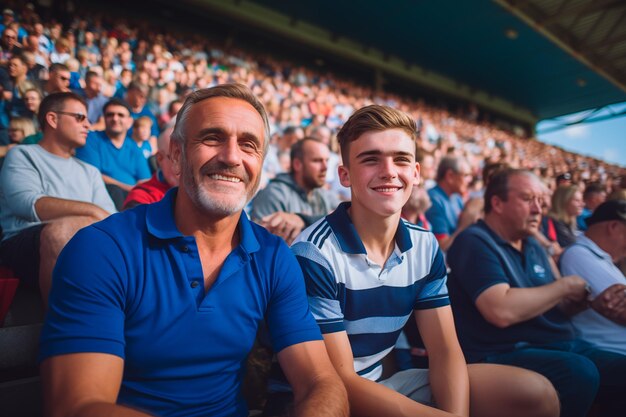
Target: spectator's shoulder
126,226
318,242
573,253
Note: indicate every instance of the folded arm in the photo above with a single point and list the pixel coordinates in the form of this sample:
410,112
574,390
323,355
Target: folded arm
50,208
504,306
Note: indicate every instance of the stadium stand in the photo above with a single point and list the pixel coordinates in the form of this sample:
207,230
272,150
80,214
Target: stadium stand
173,62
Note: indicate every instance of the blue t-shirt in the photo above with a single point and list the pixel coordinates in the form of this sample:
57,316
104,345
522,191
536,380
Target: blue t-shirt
132,286
347,291
126,164
581,221
476,266
444,213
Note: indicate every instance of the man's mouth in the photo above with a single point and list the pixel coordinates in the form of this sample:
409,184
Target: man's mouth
221,177
387,189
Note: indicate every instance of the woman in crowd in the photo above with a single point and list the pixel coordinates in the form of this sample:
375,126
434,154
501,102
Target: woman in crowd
560,225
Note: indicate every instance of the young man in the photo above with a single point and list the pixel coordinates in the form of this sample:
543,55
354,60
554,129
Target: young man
47,195
366,271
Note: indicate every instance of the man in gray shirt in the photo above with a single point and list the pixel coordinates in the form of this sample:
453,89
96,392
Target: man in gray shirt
293,201
47,195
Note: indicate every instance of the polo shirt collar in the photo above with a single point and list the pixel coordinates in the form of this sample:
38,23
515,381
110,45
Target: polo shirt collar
350,241
160,223
499,240
593,247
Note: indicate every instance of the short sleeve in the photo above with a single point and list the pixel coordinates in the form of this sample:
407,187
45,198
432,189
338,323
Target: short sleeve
288,316
21,184
436,215
321,287
87,300
577,260
435,292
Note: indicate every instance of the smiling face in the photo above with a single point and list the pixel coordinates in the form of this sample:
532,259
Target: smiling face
220,165
381,171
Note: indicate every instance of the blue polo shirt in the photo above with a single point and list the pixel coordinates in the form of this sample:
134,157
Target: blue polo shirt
126,164
370,302
132,286
476,266
444,213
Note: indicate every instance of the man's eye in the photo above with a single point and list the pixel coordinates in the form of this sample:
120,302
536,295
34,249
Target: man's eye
249,145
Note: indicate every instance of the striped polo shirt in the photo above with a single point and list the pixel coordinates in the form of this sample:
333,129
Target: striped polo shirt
349,292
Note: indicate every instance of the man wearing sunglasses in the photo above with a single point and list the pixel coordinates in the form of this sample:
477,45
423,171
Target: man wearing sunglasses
46,194
58,79
116,155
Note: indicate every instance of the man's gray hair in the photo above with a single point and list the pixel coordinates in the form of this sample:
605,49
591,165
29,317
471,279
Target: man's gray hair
449,163
236,91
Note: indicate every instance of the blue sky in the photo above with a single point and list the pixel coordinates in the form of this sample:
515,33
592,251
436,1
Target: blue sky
605,140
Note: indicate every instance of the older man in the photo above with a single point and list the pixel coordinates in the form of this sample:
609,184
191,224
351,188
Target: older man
155,188
509,308
160,319
448,215
593,257
293,201
46,194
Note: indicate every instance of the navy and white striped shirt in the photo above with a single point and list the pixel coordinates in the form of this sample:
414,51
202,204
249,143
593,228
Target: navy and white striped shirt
348,291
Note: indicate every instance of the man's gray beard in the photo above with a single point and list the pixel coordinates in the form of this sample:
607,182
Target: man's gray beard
209,204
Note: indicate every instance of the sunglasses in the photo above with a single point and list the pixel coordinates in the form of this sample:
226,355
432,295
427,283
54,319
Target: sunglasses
78,116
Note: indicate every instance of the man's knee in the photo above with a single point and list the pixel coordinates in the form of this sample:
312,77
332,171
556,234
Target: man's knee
57,233
539,396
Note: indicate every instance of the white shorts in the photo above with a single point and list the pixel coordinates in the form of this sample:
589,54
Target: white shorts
412,383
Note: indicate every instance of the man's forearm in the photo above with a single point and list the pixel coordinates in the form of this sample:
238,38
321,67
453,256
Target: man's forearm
327,397
449,382
113,181
51,208
371,399
107,410
503,306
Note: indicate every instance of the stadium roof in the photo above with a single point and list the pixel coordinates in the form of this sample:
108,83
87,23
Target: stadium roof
527,59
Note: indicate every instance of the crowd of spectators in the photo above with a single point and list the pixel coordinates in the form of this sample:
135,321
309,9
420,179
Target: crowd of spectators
131,78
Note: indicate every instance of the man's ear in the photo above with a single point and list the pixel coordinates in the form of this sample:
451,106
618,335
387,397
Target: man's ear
296,165
417,178
175,157
497,205
52,119
344,176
